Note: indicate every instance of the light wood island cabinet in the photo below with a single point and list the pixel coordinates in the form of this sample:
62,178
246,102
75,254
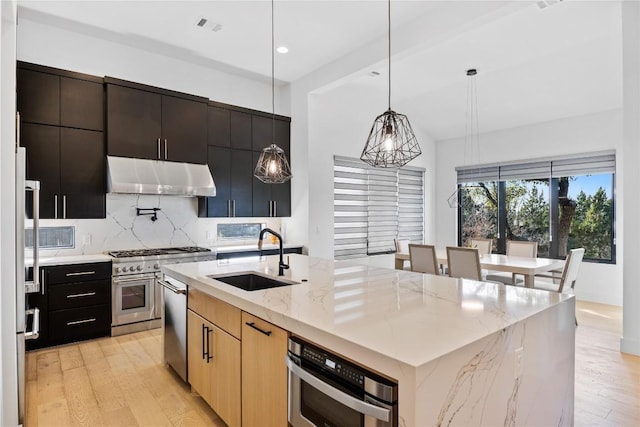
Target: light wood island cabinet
236,362
264,373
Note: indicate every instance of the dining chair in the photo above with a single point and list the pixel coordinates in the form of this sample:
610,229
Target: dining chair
519,248
464,263
423,259
482,245
402,245
569,275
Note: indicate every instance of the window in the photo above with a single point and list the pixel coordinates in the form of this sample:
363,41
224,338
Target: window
560,203
374,206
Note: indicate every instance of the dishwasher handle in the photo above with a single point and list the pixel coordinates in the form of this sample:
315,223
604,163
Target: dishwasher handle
361,406
172,287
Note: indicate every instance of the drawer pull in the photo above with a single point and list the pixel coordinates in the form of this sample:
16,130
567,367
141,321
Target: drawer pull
81,273
78,322
86,294
253,325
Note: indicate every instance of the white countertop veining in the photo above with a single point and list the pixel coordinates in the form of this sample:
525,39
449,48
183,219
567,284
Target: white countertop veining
68,259
407,317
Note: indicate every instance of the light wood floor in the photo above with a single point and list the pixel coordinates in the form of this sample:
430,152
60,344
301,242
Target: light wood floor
122,382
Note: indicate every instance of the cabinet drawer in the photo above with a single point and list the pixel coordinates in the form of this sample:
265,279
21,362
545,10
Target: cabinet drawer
79,323
79,294
223,315
78,272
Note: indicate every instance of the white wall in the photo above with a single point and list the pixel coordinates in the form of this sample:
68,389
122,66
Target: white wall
595,132
8,370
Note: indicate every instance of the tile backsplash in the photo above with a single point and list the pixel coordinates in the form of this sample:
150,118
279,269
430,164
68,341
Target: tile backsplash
177,225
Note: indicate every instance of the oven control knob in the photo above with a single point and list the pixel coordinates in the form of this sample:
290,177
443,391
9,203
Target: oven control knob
139,268
117,269
156,266
132,268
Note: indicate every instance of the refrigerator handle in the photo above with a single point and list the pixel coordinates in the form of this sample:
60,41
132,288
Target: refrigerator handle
35,332
34,186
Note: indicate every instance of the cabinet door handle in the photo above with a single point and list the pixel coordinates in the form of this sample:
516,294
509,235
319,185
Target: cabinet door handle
228,208
209,356
158,148
43,289
165,149
204,352
78,322
253,325
270,208
55,206
86,294
64,207
275,208
81,273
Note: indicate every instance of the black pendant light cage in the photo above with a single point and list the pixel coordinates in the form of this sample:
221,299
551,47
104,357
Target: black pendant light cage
272,166
391,142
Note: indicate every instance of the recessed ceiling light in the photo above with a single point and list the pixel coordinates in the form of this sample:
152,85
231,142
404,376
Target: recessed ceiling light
282,49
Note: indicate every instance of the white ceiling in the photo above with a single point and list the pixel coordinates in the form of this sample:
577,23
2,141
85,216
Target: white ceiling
534,65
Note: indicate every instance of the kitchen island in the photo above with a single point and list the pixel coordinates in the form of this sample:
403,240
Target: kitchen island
462,352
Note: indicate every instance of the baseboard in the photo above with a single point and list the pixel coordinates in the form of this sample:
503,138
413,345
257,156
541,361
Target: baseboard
630,346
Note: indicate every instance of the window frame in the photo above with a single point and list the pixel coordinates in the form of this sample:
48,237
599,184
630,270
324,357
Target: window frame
553,177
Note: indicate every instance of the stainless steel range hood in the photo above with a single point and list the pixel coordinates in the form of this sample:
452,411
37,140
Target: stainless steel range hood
141,176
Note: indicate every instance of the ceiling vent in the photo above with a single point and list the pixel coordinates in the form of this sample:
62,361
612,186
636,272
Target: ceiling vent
543,4
208,25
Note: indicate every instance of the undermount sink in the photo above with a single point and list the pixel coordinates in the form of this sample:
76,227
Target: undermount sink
252,282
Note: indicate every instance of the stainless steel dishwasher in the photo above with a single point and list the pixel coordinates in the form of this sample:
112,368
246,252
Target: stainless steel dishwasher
175,325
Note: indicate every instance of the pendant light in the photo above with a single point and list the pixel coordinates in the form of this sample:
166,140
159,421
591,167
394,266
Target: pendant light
272,166
471,133
391,142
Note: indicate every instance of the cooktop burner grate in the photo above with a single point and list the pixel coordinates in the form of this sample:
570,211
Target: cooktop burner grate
156,252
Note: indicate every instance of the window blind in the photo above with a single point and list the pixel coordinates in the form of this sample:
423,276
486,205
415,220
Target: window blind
586,164
374,206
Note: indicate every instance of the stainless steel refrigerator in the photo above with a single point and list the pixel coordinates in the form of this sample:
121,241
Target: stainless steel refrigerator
27,320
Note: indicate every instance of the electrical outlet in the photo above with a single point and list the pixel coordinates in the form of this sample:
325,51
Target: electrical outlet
517,363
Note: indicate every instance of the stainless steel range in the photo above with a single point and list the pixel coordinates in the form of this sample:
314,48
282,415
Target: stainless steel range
136,297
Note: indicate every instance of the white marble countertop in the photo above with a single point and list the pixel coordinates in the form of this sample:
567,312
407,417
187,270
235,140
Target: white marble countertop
68,259
252,247
358,310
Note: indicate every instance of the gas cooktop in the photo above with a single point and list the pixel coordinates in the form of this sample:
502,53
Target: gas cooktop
158,251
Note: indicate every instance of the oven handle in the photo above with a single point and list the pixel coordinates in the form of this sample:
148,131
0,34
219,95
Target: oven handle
172,287
137,278
362,407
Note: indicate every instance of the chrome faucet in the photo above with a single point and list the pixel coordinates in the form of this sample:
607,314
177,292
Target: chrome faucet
281,266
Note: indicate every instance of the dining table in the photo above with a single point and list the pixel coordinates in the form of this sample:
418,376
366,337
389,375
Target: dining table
526,266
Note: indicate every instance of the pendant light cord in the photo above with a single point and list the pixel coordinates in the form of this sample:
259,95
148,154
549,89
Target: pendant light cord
389,46
273,82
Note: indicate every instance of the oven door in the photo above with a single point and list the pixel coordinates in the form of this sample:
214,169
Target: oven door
316,400
133,298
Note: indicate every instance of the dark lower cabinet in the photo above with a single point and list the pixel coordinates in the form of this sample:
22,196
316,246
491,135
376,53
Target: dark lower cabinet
74,303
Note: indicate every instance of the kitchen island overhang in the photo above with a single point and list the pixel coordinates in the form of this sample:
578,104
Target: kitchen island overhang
462,351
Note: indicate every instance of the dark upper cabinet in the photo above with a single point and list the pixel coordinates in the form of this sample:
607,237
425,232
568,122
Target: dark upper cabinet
81,104
218,131
240,130
38,96
82,179
149,125
232,172
265,128
184,130
42,143
72,100
281,199
134,120
70,165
